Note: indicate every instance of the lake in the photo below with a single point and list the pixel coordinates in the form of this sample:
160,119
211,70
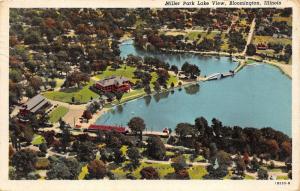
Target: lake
257,96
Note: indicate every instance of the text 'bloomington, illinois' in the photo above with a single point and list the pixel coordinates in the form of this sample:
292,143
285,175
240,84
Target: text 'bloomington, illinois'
223,3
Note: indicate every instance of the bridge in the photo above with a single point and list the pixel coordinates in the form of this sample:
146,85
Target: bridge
217,76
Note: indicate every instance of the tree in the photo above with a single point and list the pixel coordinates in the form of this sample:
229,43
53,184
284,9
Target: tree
63,168
163,76
179,163
262,174
87,114
157,87
251,50
85,151
286,147
97,169
272,147
174,68
240,165
134,155
76,78
184,130
191,70
58,171
24,162
119,96
65,137
149,173
201,124
254,164
156,148
172,84
15,75
36,82
137,125
147,89
33,37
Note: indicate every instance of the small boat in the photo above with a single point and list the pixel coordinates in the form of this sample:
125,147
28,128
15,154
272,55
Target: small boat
234,59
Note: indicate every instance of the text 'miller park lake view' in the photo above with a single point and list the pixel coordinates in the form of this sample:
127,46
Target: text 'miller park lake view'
150,94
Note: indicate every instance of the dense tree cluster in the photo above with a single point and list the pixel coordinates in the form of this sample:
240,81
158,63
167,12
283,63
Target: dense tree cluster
265,142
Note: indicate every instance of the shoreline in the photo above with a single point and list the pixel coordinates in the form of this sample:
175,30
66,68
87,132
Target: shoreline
103,111
286,69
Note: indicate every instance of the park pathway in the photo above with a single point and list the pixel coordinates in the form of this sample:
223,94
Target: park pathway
250,36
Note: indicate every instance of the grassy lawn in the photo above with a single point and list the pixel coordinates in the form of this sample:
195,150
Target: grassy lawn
270,39
275,170
286,19
170,153
282,178
83,173
38,139
197,172
199,158
162,169
82,95
58,113
194,35
243,22
228,176
125,71
124,149
248,177
59,82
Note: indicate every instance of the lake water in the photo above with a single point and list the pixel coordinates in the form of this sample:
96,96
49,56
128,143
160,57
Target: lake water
258,96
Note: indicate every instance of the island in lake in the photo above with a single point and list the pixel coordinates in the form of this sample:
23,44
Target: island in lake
150,94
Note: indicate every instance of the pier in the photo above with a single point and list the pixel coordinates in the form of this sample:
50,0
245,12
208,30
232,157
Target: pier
217,76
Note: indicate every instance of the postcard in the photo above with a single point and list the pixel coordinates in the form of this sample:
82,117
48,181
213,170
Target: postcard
164,95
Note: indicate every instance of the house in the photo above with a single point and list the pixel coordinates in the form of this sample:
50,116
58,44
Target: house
34,105
114,84
261,46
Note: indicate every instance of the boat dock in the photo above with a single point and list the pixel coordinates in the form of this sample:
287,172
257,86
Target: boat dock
217,76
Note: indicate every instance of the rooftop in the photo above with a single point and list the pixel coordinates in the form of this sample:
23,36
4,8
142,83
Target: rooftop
35,103
113,80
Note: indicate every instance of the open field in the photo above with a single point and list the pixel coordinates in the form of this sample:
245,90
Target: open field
270,39
58,113
162,169
125,71
204,34
197,172
82,95
286,19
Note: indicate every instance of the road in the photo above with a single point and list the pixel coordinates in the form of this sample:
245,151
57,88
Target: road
250,36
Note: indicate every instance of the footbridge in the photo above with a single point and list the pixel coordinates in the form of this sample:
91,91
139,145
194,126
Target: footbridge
217,76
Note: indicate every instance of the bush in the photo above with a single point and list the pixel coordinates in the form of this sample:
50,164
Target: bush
149,173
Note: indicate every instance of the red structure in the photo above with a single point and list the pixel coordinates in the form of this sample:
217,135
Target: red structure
261,47
117,129
114,84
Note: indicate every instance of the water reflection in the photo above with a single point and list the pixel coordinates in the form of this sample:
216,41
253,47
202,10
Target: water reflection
119,108
161,95
147,99
192,89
